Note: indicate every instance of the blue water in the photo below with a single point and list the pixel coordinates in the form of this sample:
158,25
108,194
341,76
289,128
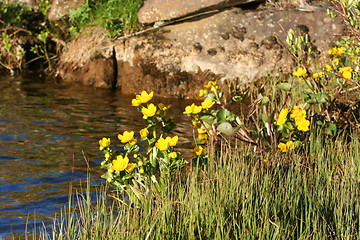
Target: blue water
46,133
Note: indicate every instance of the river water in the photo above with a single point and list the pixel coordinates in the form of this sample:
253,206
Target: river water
46,133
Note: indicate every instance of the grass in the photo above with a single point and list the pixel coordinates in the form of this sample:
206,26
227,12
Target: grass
116,16
293,196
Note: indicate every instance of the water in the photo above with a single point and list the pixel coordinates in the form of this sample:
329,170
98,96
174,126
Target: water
46,132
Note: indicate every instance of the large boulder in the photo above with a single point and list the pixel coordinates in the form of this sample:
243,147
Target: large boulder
177,60
162,10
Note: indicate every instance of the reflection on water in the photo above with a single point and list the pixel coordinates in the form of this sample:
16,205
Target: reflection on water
46,132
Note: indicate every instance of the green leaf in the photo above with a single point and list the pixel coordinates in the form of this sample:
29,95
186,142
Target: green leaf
106,175
227,128
221,115
308,91
264,118
284,86
208,118
211,96
316,98
265,100
225,115
330,129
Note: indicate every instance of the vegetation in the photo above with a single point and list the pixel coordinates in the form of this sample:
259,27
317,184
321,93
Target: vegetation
28,37
291,196
116,16
286,169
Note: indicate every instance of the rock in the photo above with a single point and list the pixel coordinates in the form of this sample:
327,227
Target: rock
61,8
160,10
177,60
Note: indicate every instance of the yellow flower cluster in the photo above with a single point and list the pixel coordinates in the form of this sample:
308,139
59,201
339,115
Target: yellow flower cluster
299,115
192,109
198,150
300,72
212,85
164,144
104,142
281,119
346,72
318,75
127,137
336,51
144,97
120,164
284,147
208,103
149,111
202,135
163,107
144,132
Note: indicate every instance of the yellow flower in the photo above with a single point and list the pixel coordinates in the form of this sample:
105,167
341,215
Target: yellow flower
135,102
198,150
144,97
336,51
162,106
126,136
329,68
141,170
104,142
195,123
284,147
208,103
172,155
300,72
130,167
162,144
192,109
317,75
149,112
298,113
133,141
120,163
144,132
340,50
214,88
109,179
282,117
202,135
140,163
303,125
211,84
346,72
172,141
201,93
107,156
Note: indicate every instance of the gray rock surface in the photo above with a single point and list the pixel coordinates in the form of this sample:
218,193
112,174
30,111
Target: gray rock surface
162,10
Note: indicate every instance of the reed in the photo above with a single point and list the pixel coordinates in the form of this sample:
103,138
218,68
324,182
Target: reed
295,196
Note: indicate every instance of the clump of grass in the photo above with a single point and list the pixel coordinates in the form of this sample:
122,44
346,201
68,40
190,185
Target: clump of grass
117,16
314,195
